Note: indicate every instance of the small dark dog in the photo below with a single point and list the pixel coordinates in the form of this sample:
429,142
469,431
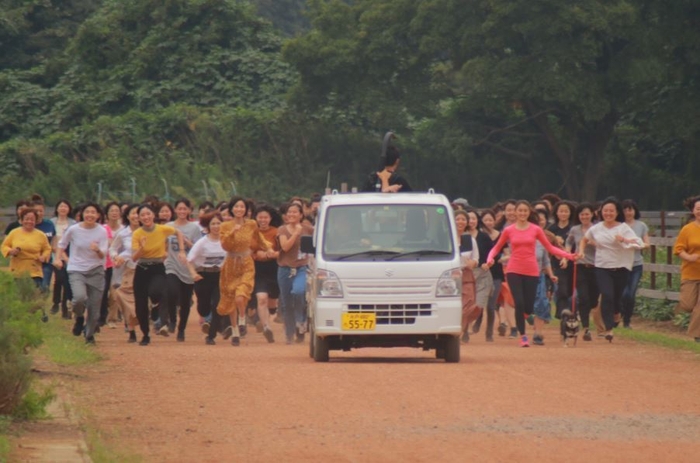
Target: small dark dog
570,327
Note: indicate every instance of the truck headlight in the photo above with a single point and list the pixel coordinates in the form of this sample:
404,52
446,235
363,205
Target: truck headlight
449,283
328,284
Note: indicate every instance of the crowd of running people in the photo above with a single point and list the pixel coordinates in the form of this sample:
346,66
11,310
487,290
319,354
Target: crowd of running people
137,264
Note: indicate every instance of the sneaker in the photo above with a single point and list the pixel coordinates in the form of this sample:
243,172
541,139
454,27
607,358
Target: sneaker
524,342
146,340
587,336
171,327
209,341
163,331
267,332
90,340
54,309
227,333
627,326
465,337
78,326
489,338
301,328
132,337
181,336
243,330
235,341
538,340
502,328
205,327
513,333
300,338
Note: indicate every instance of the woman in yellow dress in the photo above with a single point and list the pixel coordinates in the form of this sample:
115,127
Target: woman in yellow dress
240,238
27,247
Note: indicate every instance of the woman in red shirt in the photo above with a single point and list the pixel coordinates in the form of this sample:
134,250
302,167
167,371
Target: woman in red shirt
523,272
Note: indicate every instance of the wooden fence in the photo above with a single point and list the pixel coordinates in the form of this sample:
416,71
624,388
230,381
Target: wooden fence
663,229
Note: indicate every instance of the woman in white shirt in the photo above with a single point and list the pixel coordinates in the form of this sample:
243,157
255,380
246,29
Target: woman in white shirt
120,251
206,258
615,243
86,268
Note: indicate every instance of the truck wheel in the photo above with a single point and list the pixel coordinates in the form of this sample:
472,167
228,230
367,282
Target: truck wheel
320,349
452,349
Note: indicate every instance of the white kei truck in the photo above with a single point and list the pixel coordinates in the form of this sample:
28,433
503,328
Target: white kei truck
384,271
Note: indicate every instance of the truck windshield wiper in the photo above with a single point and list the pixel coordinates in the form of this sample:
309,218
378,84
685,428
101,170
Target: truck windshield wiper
368,253
422,252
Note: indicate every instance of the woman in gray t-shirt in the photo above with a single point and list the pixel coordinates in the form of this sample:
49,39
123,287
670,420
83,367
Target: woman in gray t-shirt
179,284
631,211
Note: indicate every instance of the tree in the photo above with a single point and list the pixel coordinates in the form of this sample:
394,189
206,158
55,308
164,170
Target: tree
535,75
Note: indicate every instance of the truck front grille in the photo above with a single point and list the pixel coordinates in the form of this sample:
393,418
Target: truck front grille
394,314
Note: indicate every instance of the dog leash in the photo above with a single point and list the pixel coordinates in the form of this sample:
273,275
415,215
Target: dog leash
574,292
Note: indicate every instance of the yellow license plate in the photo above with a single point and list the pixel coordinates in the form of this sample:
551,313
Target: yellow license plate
359,321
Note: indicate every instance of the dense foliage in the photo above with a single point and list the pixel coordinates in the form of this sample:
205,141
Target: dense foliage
491,98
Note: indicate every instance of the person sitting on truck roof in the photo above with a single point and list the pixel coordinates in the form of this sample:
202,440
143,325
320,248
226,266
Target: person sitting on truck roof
388,181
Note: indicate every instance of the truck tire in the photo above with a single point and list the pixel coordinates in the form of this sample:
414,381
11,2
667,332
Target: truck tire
452,349
321,349
440,351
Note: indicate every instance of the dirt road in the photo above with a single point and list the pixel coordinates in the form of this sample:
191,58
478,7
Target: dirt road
270,402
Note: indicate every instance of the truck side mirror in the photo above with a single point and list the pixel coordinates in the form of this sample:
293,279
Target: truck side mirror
466,244
307,244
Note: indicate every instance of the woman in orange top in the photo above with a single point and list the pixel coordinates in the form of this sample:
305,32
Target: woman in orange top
687,247
27,247
240,237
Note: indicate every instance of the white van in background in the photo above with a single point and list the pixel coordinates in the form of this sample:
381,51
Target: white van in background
385,272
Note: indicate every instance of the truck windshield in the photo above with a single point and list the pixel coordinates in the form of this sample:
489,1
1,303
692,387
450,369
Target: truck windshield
387,232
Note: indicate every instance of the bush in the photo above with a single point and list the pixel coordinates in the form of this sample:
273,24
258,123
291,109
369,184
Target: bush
682,320
655,309
20,331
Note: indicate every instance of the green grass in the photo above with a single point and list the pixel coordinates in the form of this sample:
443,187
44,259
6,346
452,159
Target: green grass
62,348
659,339
4,439
103,452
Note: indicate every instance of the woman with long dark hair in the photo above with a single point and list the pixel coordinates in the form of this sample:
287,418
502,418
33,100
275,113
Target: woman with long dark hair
564,213
207,257
179,281
120,252
240,238
61,287
291,272
482,274
631,212
523,272
615,243
586,283
89,246
149,250
112,223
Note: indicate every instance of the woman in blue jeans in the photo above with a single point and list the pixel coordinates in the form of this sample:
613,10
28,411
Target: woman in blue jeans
631,212
291,272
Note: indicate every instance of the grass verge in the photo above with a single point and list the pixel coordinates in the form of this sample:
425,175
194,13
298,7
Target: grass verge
101,451
64,349
4,440
659,339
